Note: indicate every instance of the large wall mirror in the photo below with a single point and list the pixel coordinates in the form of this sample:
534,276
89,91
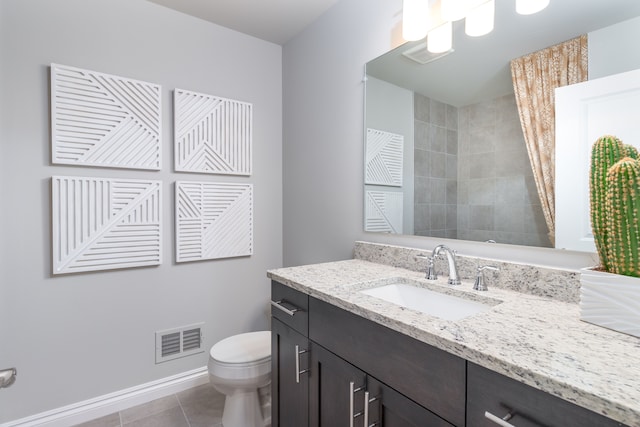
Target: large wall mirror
444,149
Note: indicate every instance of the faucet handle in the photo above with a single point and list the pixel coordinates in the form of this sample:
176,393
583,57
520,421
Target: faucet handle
431,271
479,284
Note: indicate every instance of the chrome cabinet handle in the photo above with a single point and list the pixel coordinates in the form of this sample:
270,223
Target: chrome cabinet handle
277,304
368,401
298,371
352,392
500,421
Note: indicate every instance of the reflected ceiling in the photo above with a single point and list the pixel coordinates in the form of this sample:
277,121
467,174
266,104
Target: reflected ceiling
452,80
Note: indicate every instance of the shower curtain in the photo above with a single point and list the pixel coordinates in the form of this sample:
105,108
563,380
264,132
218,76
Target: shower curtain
535,77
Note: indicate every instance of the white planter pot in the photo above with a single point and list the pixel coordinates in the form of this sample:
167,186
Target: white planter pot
610,300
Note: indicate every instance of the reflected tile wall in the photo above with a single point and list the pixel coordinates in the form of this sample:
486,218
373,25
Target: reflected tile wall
473,179
497,197
435,168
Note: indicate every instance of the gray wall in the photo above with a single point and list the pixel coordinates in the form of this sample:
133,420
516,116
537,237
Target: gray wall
323,140
79,336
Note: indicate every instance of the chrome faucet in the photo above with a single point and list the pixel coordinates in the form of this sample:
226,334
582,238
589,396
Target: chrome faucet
454,279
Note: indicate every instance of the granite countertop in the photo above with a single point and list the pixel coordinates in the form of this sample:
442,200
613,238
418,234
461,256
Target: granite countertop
536,340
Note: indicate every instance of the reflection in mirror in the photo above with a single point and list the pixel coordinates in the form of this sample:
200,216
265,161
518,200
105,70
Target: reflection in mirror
464,167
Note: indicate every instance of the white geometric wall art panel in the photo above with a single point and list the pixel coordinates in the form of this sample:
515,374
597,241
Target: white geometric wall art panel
103,224
104,120
213,220
384,158
383,211
212,134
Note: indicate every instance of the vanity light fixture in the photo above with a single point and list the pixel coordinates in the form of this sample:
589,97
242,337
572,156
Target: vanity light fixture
529,7
440,39
434,18
480,19
415,18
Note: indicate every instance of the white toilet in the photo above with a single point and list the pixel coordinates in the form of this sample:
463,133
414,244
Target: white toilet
238,367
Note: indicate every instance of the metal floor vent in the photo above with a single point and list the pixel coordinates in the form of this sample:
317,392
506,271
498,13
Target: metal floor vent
178,342
421,55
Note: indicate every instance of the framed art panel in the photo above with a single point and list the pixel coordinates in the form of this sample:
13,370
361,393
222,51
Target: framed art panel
383,211
212,135
103,120
104,224
384,157
213,220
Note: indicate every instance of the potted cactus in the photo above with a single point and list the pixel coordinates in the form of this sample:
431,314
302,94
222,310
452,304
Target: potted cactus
610,293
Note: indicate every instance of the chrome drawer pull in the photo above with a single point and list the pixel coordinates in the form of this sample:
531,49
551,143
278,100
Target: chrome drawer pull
500,421
367,401
352,392
298,371
277,304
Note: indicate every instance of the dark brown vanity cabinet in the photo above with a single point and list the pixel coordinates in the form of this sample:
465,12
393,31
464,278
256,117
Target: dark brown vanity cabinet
289,357
420,373
343,395
344,359
332,368
490,394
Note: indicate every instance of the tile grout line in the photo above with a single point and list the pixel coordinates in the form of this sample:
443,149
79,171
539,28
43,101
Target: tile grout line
183,411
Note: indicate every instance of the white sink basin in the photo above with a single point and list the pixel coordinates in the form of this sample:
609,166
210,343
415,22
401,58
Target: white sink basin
447,307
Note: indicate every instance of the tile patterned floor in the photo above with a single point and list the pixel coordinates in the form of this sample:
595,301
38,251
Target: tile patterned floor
196,407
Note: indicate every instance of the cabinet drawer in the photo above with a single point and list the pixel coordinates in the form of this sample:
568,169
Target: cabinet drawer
296,302
430,377
530,407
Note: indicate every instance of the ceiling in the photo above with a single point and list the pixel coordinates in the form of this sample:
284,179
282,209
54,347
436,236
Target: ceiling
276,21
478,69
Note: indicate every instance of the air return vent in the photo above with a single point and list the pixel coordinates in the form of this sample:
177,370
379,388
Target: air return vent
421,55
178,342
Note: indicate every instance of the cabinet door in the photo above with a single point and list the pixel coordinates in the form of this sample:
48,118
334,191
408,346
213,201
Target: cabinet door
388,408
290,392
427,375
336,394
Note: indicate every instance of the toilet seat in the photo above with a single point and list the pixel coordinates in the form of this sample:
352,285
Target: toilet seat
244,349
241,357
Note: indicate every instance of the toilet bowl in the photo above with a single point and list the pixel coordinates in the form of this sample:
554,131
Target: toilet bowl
238,367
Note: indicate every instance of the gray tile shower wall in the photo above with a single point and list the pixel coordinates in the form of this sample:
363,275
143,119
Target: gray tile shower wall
435,167
497,196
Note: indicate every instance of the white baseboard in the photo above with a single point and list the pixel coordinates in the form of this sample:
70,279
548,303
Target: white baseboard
113,402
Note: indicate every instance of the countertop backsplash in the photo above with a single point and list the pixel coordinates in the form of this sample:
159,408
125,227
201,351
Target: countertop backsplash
560,285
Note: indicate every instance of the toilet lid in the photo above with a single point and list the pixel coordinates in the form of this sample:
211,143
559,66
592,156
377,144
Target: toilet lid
243,348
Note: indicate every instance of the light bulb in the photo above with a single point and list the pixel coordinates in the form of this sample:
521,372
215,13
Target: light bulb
529,7
480,19
415,15
453,10
440,39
